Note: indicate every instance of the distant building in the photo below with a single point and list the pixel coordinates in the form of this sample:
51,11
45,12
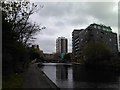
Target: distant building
48,56
61,45
35,46
94,33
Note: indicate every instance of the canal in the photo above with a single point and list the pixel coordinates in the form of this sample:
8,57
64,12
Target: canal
78,76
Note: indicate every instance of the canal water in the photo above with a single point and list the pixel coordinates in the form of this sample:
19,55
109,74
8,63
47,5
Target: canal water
78,76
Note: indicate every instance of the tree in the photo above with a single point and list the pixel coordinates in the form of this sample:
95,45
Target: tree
67,57
34,53
96,53
16,31
18,14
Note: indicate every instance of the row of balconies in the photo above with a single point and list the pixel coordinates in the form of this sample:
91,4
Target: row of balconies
102,27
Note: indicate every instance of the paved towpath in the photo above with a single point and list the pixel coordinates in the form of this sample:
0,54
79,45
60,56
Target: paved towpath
35,78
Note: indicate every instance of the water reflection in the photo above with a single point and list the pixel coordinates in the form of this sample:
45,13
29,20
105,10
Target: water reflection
78,76
61,72
94,78
81,73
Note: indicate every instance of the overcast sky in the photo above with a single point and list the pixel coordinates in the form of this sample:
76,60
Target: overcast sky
61,18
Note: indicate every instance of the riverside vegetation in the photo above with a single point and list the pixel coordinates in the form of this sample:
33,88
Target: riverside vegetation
17,31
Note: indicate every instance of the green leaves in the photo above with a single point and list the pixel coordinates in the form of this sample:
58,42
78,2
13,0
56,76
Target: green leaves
96,53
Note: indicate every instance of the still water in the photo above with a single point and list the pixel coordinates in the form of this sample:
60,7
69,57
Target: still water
77,76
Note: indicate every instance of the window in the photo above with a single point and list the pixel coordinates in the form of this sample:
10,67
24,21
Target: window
76,39
108,29
102,32
86,32
104,28
110,39
89,29
99,27
81,39
91,35
94,26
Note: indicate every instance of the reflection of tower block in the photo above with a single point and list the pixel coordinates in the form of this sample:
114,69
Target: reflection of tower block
61,72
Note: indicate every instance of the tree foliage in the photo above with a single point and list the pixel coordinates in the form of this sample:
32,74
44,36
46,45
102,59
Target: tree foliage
67,57
34,53
96,53
18,15
16,31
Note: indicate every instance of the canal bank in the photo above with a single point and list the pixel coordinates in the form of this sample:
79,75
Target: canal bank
35,78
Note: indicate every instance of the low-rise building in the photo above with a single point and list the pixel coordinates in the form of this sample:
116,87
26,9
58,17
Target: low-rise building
48,56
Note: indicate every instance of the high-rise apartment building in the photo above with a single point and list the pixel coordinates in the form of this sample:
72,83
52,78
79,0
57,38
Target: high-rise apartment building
94,33
75,41
61,45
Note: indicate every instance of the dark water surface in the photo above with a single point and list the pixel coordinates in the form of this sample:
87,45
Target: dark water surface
78,76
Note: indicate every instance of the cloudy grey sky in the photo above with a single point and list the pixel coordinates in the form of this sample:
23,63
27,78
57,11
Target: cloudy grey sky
61,18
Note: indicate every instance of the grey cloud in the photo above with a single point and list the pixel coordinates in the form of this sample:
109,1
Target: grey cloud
101,11
55,9
60,23
104,12
75,13
61,18
119,17
46,44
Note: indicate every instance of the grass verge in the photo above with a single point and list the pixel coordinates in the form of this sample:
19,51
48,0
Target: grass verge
13,81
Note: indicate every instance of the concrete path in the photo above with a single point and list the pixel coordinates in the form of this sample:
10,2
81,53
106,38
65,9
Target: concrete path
35,78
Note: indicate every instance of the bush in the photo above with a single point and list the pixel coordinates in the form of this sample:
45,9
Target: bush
96,54
14,81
